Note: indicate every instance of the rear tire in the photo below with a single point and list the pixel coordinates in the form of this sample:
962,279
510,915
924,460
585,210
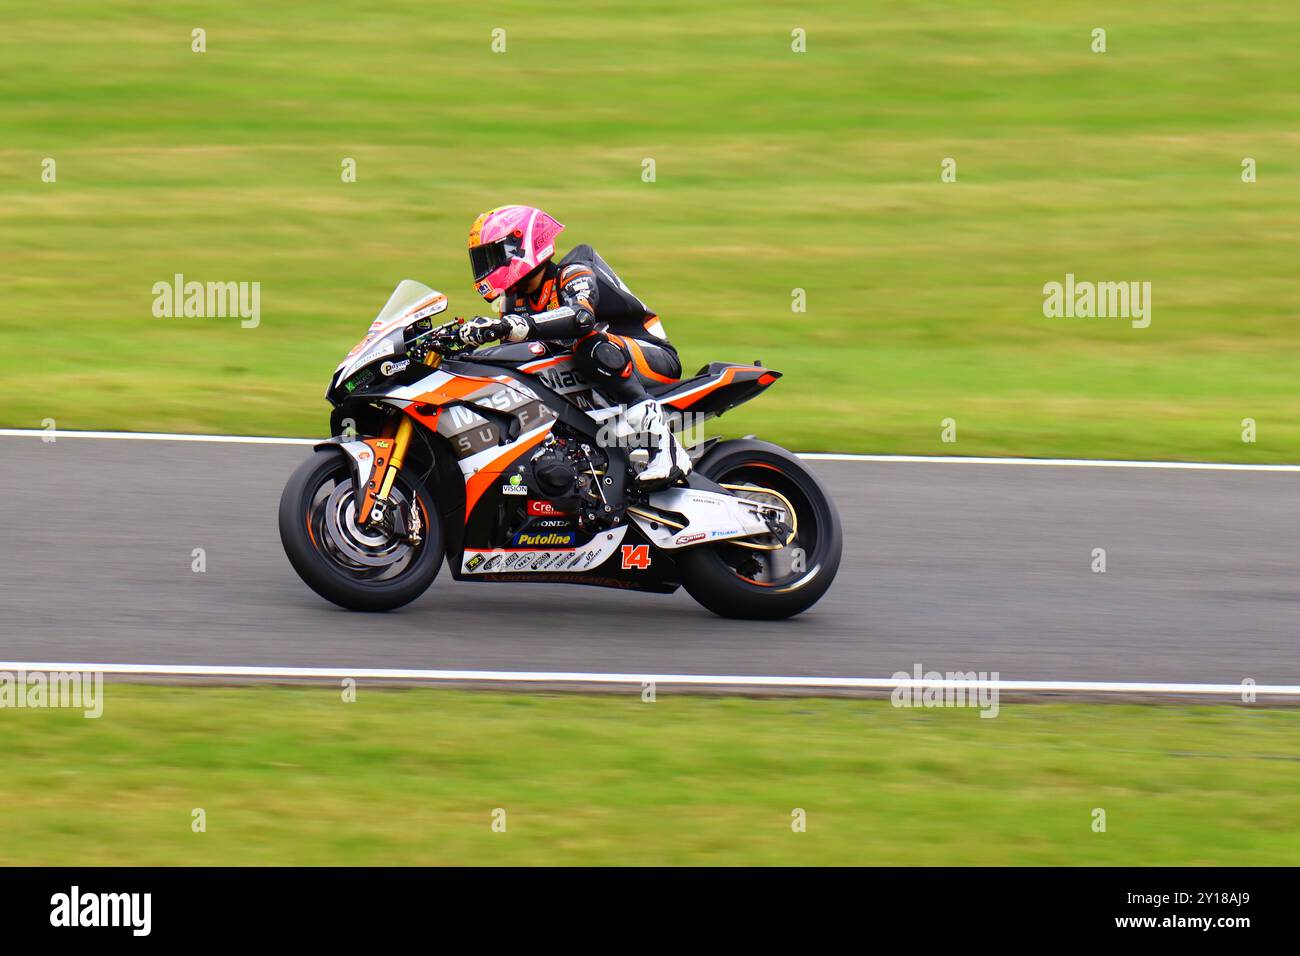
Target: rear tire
305,511
715,574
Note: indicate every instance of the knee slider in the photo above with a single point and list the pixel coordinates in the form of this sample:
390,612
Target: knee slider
603,357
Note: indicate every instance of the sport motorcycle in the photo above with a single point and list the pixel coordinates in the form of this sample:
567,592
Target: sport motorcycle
506,463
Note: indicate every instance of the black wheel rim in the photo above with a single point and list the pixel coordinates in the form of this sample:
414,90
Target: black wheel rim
791,565
362,554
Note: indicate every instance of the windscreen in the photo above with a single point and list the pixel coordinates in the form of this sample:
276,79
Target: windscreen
405,297
401,303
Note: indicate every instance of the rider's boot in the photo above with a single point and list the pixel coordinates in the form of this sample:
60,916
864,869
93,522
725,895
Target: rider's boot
669,462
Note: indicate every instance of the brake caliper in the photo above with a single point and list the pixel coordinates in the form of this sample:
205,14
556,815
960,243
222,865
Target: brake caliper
413,524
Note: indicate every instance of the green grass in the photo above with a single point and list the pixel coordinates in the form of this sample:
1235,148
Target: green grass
296,776
775,170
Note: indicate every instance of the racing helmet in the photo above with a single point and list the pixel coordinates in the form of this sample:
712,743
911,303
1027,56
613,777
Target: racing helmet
506,244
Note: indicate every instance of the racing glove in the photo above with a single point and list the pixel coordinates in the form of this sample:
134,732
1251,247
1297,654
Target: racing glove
489,328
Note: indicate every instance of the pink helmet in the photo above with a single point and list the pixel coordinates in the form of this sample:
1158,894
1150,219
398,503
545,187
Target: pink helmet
507,243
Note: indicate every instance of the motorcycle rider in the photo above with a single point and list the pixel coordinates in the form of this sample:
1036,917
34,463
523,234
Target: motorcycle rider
618,343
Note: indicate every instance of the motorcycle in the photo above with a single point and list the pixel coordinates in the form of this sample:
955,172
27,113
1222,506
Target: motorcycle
505,463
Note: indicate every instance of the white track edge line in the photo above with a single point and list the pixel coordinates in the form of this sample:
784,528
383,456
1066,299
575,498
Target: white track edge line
808,456
580,677
1053,462
156,436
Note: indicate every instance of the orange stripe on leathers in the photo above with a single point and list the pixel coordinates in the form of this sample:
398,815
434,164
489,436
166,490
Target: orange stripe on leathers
643,366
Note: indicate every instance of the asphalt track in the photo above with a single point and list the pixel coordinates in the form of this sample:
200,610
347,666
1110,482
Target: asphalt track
971,567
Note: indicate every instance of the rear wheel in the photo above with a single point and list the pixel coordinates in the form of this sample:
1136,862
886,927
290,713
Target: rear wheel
358,568
768,578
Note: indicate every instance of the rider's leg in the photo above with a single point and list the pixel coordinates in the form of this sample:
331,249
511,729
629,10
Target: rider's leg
619,367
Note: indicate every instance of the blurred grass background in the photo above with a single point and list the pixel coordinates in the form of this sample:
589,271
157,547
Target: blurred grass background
775,171
294,776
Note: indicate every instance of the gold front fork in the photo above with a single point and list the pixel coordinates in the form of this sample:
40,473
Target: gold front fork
395,461
395,458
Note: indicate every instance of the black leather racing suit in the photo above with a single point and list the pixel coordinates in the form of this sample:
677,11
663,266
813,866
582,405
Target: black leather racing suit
618,343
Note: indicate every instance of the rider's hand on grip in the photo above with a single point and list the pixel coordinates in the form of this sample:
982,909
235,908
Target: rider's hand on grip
446,337
483,329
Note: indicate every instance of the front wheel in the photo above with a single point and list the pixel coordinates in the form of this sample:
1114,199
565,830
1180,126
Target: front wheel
766,579
361,569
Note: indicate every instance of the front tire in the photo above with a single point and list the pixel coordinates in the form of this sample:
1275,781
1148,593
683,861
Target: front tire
738,582
353,567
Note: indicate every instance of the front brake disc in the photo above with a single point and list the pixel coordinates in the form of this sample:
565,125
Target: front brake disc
369,548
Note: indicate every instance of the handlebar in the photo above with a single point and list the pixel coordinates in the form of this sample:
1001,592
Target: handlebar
443,339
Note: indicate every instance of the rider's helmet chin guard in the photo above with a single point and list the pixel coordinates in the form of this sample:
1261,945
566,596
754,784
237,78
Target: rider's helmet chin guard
506,244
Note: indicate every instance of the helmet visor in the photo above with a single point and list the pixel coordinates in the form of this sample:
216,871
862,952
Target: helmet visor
487,259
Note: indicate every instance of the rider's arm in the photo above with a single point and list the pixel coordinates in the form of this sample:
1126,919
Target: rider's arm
573,318
576,314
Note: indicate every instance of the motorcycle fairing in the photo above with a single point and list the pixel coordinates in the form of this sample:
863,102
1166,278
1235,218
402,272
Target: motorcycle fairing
716,388
711,516
556,370
490,453
590,554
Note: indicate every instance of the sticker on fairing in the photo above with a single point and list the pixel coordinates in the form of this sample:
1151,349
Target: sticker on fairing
590,555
